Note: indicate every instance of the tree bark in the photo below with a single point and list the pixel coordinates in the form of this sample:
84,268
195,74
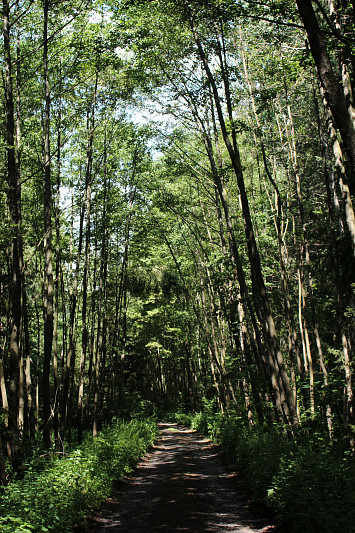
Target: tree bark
14,201
85,333
332,88
57,280
48,266
341,171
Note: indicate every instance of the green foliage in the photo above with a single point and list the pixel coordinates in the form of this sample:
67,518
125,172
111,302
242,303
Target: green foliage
308,489
314,492
60,495
162,298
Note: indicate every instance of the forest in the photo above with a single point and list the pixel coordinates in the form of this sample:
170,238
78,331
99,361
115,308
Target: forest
177,237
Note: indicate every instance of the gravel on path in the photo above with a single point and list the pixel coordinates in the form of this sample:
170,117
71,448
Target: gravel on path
179,486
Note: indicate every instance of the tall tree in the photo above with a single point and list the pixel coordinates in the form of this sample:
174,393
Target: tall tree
48,260
333,92
15,217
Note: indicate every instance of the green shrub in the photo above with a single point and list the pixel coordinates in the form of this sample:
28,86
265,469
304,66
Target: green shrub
315,492
60,495
308,488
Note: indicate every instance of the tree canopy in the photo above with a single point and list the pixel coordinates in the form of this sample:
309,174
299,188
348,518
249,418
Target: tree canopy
177,222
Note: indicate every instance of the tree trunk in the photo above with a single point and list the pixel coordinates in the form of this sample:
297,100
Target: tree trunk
24,375
103,273
85,334
277,213
72,328
287,407
57,276
48,267
341,172
91,377
14,201
332,88
5,406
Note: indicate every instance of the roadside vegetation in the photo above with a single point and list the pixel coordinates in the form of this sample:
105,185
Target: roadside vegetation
307,486
177,231
56,493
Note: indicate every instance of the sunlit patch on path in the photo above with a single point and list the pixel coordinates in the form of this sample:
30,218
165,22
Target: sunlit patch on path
179,486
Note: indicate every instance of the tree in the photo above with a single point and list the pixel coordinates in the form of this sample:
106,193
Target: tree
14,200
333,92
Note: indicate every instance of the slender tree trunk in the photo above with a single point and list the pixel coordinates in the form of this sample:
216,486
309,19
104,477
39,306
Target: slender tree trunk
349,408
14,201
38,351
277,212
287,407
103,273
95,425
5,408
72,328
57,276
91,378
123,317
85,334
48,266
24,333
73,296
116,380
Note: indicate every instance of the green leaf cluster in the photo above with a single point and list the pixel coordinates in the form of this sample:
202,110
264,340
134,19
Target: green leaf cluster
59,496
307,488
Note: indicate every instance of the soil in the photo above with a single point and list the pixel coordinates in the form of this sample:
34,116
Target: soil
180,485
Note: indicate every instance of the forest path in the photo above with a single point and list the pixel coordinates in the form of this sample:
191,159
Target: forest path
181,485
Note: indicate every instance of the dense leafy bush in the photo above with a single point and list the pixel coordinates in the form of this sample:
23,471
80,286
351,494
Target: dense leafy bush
60,495
315,492
308,488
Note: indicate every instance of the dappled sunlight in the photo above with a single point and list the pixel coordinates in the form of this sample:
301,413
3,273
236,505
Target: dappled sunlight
179,486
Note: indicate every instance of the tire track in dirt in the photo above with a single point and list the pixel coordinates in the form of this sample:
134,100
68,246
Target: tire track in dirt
180,486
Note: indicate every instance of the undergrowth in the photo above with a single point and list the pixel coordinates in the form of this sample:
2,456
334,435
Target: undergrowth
60,495
308,486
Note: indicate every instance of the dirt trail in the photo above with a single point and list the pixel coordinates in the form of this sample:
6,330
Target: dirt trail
180,485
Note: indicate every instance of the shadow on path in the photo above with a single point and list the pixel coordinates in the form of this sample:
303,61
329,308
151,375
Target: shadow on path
180,485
